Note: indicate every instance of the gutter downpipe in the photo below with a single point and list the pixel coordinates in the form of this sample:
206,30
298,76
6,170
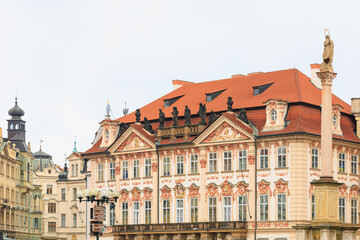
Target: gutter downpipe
157,145
255,137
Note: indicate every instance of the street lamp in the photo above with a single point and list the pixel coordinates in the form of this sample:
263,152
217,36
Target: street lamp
100,197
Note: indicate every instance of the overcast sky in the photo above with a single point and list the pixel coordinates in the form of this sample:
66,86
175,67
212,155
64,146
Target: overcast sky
65,59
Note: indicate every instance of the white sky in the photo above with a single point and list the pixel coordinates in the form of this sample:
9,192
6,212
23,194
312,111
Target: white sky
65,59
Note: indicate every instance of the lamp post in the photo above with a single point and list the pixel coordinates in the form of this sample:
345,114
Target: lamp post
100,197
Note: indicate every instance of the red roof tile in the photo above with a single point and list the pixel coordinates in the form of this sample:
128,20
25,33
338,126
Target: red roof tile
96,148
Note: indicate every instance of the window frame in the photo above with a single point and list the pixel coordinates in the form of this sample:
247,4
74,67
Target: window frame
212,161
242,207
51,226
281,157
136,212
179,210
354,211
148,212
315,158
100,172
227,159
194,209
227,208
125,169
264,158
342,162
281,207
342,209
264,207
63,220
147,167
166,211
194,158
166,166
212,208
136,168
125,213
354,164
180,165
242,159
112,170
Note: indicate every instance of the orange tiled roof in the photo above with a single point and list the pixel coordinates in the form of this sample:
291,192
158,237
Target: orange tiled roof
96,148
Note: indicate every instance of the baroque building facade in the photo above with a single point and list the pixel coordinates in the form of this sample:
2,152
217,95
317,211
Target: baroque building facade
19,216
228,159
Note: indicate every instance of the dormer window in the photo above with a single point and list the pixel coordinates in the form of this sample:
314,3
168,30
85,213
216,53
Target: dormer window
336,126
260,89
107,134
273,115
169,102
212,96
334,120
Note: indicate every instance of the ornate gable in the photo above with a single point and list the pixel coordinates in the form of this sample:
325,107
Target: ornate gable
132,142
225,132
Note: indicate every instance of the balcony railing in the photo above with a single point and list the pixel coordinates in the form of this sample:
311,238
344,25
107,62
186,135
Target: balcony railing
179,227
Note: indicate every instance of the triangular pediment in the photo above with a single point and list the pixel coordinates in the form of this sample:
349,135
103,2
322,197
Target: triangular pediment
223,130
131,140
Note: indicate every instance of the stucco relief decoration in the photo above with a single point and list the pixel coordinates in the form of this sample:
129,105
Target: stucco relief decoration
226,188
147,194
336,111
179,191
124,195
165,193
251,159
135,194
154,166
100,160
264,188
343,191
227,147
133,142
165,153
354,191
281,187
223,133
179,180
212,148
281,224
241,188
242,146
263,144
211,190
117,170
194,150
193,191
203,163
355,151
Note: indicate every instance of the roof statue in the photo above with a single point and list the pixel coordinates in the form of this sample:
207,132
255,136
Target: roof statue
230,103
137,115
328,53
161,118
148,126
187,115
202,113
242,116
175,114
212,117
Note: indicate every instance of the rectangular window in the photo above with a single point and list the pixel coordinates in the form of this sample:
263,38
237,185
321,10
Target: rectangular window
212,162
341,162
342,209
125,170
147,167
315,158
166,211
63,194
125,215
136,212
281,202
51,226
354,211
179,210
74,220
36,223
100,172
227,161
281,155
76,170
63,220
227,208
194,163
166,166
147,212
74,194
264,207
264,158
72,170
242,208
136,168
242,159
179,165
212,209
112,216
194,209
112,171
353,164
49,189
313,207
52,208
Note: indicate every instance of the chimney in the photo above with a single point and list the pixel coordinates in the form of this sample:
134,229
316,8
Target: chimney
315,67
355,110
179,83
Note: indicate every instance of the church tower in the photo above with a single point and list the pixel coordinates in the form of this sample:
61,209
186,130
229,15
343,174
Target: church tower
16,127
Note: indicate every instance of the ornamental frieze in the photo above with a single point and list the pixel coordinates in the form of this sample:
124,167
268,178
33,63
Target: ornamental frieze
242,188
342,190
354,191
264,188
135,194
154,166
133,142
281,186
226,188
203,163
194,191
165,192
224,133
211,190
124,195
251,159
147,193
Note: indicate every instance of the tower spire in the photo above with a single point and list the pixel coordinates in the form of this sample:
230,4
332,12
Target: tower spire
74,150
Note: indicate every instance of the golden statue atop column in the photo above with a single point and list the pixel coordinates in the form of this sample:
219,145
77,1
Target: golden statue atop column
328,54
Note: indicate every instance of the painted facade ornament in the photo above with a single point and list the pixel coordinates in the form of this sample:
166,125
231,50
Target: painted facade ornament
124,195
179,191
211,190
133,142
264,188
154,166
281,187
117,170
135,194
165,193
225,132
251,159
193,191
354,191
241,188
343,191
226,188
147,193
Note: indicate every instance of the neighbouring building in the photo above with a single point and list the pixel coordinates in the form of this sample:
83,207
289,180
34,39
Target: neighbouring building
228,159
20,217
63,216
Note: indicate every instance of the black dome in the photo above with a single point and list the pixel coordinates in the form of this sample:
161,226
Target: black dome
16,111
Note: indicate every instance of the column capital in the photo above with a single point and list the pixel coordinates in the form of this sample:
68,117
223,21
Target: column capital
326,77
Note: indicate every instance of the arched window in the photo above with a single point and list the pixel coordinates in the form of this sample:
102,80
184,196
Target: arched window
273,115
17,126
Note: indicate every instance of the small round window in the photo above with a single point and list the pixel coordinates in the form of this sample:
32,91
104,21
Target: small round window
334,120
273,115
